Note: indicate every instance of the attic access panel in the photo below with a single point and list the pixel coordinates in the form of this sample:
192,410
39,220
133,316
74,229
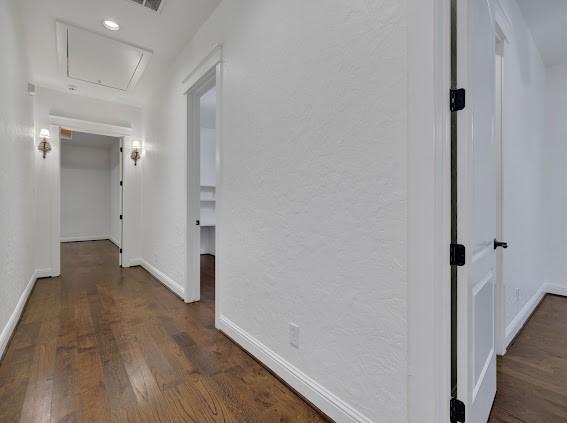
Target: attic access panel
90,57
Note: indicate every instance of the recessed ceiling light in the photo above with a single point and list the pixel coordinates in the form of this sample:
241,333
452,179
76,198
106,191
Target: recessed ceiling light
111,25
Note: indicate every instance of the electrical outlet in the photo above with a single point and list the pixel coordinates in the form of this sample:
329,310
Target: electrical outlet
294,335
518,295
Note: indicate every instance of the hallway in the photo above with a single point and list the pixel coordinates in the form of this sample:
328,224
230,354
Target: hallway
532,374
101,344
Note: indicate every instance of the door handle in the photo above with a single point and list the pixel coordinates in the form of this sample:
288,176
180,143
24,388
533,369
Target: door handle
500,244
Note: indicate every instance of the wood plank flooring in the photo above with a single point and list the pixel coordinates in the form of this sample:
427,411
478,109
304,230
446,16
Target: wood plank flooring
532,376
104,344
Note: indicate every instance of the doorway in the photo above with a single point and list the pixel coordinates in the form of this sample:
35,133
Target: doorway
207,195
91,175
202,182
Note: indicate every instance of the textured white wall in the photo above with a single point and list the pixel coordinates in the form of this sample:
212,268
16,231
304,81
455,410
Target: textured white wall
85,192
17,212
523,165
313,218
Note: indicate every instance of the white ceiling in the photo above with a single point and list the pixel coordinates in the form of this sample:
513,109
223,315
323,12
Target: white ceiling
548,22
163,33
84,139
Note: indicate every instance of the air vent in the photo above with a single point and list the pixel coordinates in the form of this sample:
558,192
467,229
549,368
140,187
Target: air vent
154,5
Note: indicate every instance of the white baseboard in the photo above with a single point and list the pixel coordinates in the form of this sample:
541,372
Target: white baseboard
84,238
327,402
173,286
114,241
43,273
15,317
555,289
133,262
524,314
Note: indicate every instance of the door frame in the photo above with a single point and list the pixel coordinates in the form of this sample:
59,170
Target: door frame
429,210
79,125
205,75
503,28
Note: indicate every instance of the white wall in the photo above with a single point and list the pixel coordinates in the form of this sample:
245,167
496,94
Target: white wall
85,192
17,211
524,212
555,194
313,220
49,102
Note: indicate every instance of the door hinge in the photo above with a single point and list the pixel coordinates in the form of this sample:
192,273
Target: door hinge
197,223
121,183
121,251
121,217
457,99
458,254
121,149
457,411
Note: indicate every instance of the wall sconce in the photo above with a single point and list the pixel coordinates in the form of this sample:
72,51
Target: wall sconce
136,153
44,145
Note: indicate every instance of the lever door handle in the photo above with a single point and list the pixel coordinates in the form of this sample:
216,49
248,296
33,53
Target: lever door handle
500,244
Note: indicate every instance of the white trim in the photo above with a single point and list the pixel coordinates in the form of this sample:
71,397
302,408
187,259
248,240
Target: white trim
200,79
133,262
91,127
114,241
502,20
208,62
173,286
429,211
85,238
8,330
56,123
556,289
326,401
524,314
43,273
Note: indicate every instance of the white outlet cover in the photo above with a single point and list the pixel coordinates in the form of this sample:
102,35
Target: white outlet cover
294,335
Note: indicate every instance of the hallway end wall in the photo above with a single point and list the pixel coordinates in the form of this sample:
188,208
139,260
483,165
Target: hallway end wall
16,173
85,192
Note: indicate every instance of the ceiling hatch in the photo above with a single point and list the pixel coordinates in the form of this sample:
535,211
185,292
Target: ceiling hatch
97,59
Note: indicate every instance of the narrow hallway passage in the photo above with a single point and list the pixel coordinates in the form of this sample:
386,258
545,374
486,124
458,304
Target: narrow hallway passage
102,344
532,374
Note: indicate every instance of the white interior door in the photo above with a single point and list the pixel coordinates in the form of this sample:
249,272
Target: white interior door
193,290
476,205
121,200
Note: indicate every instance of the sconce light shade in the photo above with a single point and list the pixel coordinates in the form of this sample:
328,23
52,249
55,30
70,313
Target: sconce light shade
44,145
136,153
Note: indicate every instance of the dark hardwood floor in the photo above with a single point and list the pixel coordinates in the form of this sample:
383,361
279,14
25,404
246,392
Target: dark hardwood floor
532,376
104,344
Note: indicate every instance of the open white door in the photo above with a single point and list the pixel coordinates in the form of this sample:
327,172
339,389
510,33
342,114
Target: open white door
121,202
476,209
